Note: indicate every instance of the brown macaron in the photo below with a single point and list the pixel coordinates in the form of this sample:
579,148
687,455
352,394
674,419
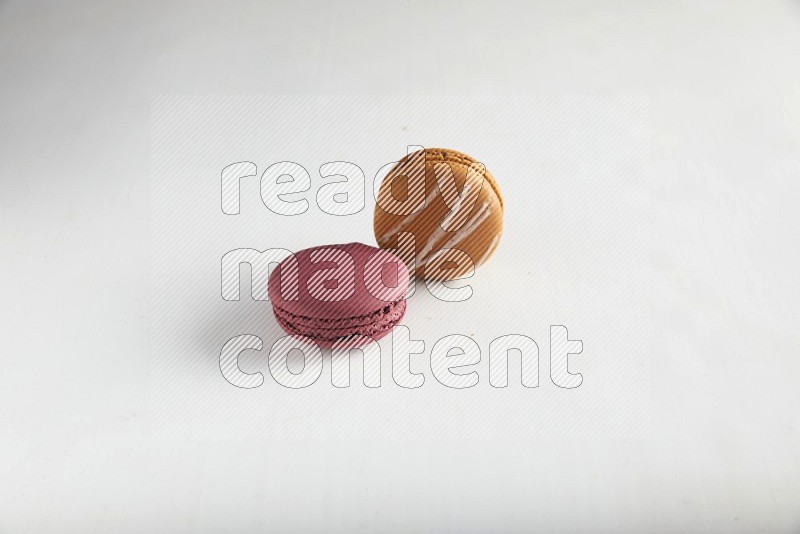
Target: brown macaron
449,203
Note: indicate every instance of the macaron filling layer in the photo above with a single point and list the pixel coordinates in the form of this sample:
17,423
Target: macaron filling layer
375,324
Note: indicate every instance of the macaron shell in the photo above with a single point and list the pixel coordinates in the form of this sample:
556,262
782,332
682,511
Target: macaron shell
324,334
478,236
297,294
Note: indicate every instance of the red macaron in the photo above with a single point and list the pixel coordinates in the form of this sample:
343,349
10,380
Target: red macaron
338,292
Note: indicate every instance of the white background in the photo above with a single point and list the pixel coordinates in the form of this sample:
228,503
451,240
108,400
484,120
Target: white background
575,252
706,437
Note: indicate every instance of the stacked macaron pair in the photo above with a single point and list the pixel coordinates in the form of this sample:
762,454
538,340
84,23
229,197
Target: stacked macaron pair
439,213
